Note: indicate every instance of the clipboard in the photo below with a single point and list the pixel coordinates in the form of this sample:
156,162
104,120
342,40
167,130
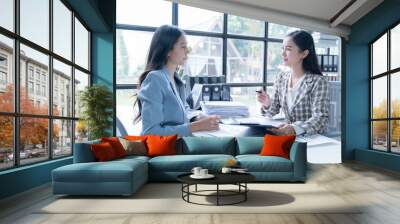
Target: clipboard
251,122
266,126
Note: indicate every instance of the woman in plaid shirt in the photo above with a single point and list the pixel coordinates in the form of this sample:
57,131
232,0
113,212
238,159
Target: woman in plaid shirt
302,93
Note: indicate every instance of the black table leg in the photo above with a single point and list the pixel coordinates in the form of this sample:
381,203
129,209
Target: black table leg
182,190
217,194
245,193
188,192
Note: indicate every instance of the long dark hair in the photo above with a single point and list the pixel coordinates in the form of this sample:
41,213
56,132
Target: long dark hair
163,41
305,41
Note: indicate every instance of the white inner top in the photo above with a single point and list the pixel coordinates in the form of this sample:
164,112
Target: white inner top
294,91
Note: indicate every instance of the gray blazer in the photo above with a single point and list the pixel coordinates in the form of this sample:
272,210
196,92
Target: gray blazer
164,112
310,110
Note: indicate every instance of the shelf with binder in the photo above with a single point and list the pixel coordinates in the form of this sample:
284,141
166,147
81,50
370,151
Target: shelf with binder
216,92
328,63
191,80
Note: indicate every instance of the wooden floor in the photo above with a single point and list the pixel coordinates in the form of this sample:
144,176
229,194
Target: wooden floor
378,188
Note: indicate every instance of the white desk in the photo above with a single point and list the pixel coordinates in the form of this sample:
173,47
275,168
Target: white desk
325,153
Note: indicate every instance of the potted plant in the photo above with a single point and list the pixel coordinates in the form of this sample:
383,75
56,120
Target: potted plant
96,102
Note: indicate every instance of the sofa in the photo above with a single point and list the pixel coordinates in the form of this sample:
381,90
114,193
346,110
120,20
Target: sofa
126,175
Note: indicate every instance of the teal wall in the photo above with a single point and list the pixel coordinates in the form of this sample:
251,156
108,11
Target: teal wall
103,64
357,83
103,52
99,15
380,159
102,58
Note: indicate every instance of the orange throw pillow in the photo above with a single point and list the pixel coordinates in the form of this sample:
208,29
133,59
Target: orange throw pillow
135,138
103,152
161,145
277,145
116,145
142,138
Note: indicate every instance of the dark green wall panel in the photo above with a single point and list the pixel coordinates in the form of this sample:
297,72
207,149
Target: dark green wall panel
24,178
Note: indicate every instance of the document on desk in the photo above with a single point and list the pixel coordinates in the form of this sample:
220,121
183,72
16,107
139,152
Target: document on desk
253,122
317,139
225,108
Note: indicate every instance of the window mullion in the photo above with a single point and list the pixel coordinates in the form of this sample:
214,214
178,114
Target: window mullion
389,112
50,81
225,47
16,83
371,89
73,81
175,18
265,73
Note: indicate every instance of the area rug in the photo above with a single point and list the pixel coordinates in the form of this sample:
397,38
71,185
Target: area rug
167,198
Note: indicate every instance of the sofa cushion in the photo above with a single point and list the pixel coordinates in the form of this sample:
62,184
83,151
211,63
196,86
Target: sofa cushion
185,163
116,145
208,145
129,159
134,147
249,145
161,145
103,152
134,137
277,145
257,163
112,171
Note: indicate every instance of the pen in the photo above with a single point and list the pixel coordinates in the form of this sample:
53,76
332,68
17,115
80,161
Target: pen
258,91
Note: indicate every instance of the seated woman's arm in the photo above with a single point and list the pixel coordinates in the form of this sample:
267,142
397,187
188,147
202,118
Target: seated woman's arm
275,106
151,99
319,109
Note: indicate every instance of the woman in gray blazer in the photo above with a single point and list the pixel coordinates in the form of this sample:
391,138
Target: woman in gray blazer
161,99
302,93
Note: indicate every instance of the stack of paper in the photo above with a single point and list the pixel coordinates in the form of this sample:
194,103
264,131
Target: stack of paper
225,108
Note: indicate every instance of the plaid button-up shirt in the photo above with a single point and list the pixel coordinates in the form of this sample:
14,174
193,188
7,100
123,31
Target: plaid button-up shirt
310,108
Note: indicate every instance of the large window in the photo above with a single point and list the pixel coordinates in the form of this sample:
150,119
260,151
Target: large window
62,43
7,14
205,57
200,19
247,53
385,96
40,80
34,26
131,55
149,13
245,61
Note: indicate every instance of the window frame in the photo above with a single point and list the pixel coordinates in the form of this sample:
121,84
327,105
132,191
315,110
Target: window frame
224,35
16,114
388,74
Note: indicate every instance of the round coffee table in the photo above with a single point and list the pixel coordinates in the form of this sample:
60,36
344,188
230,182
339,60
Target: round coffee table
238,179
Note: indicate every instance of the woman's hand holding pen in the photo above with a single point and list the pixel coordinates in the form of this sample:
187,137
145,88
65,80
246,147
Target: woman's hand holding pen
209,123
263,98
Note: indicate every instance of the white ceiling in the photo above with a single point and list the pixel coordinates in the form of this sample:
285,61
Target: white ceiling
316,15
319,9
